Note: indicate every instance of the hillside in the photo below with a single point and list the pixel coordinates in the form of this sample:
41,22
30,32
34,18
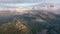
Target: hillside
37,22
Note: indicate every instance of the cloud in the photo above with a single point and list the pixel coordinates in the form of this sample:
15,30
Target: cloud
21,1
17,5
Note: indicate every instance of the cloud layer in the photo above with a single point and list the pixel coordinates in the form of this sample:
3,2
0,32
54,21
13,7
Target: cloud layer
26,1
20,1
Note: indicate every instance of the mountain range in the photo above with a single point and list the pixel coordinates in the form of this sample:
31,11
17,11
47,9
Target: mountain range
38,20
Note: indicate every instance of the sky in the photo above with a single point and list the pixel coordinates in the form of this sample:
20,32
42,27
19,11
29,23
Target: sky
52,0
27,1
24,3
